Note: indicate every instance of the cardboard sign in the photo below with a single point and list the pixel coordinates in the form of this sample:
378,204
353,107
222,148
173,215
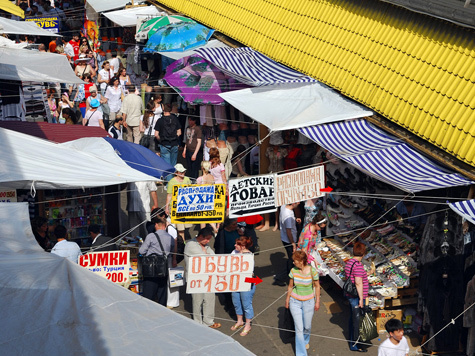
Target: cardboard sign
176,276
199,201
219,273
48,23
251,195
299,186
384,315
113,265
8,196
195,198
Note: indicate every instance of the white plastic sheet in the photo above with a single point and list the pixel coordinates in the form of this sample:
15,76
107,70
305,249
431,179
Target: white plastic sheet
28,66
27,161
128,17
13,27
294,105
52,306
107,5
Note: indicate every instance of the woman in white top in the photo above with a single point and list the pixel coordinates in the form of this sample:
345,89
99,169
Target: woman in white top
124,79
105,75
114,96
157,107
93,116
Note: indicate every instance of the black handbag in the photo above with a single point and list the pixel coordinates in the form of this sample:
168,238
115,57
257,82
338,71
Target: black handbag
153,265
145,140
349,287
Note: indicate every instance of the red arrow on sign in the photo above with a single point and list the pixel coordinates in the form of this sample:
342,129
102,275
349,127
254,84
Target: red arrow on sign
256,280
327,189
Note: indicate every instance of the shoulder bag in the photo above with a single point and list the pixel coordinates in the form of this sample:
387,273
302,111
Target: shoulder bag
349,287
145,140
154,265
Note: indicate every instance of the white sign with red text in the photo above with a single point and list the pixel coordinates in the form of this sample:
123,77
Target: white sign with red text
113,265
299,186
219,273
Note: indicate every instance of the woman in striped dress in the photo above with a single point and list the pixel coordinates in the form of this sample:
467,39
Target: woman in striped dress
303,298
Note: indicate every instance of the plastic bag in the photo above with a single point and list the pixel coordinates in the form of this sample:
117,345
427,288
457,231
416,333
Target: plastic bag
368,329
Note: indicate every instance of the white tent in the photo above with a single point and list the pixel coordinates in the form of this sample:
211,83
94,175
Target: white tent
128,17
26,65
27,161
294,105
5,42
107,5
22,28
52,306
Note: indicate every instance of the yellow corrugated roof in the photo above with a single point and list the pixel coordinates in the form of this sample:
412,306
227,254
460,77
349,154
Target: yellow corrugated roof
415,70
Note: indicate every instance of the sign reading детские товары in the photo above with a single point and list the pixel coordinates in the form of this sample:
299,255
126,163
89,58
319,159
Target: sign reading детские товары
251,195
299,186
113,265
219,273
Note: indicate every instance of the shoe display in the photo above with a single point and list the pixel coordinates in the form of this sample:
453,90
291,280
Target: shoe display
345,202
360,201
333,218
334,210
343,216
350,175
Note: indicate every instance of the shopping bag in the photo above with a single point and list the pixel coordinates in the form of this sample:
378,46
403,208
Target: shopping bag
368,329
176,276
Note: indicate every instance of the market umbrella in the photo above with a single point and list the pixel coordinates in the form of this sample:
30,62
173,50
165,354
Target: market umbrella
199,81
178,37
151,26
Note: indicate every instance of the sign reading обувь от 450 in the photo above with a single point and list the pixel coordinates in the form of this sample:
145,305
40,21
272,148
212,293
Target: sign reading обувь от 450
251,195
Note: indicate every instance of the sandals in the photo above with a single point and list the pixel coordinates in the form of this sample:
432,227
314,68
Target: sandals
245,332
236,326
215,326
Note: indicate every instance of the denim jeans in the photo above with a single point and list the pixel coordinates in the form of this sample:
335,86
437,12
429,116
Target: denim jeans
302,312
243,301
354,322
170,155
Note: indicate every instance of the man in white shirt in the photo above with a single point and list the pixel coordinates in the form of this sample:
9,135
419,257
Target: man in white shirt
114,62
63,247
396,344
68,48
132,108
288,236
138,205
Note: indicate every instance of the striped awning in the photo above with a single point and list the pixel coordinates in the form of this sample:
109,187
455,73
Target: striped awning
465,209
383,156
251,67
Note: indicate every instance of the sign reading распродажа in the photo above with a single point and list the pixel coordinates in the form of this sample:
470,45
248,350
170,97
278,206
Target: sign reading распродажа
251,195
299,186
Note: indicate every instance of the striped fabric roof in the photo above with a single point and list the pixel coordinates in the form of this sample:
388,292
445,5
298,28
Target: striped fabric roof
465,209
382,156
251,67
417,71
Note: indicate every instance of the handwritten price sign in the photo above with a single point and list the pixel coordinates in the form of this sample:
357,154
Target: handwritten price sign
219,273
111,265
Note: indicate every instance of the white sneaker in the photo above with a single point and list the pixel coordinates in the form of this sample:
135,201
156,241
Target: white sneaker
333,210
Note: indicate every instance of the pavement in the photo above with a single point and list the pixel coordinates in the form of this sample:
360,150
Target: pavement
329,325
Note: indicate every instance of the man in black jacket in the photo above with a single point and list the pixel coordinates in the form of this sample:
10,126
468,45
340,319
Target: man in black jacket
99,241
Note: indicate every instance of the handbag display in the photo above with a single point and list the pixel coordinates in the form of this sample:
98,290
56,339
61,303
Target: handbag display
153,265
368,329
349,287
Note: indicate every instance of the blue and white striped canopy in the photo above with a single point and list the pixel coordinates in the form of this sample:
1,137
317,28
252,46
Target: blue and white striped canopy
383,156
251,67
465,209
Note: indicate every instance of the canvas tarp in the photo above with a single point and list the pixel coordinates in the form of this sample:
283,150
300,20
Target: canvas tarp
294,105
13,27
107,5
52,306
31,66
128,17
27,161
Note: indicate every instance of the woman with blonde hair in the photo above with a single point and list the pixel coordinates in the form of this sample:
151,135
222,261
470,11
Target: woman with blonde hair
207,177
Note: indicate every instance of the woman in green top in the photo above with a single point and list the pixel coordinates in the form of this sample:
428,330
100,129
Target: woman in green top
303,297
178,179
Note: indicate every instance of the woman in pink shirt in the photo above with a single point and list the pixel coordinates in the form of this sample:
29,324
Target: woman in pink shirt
217,168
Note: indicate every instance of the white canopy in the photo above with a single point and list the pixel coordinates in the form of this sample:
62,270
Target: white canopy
128,17
27,160
294,105
26,65
52,306
107,5
178,55
13,27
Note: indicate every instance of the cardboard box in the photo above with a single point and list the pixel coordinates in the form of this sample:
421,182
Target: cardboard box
383,315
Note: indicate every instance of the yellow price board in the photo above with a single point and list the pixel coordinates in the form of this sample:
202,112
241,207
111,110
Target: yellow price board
196,204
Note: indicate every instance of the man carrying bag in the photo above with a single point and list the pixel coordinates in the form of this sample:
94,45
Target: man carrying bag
155,262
